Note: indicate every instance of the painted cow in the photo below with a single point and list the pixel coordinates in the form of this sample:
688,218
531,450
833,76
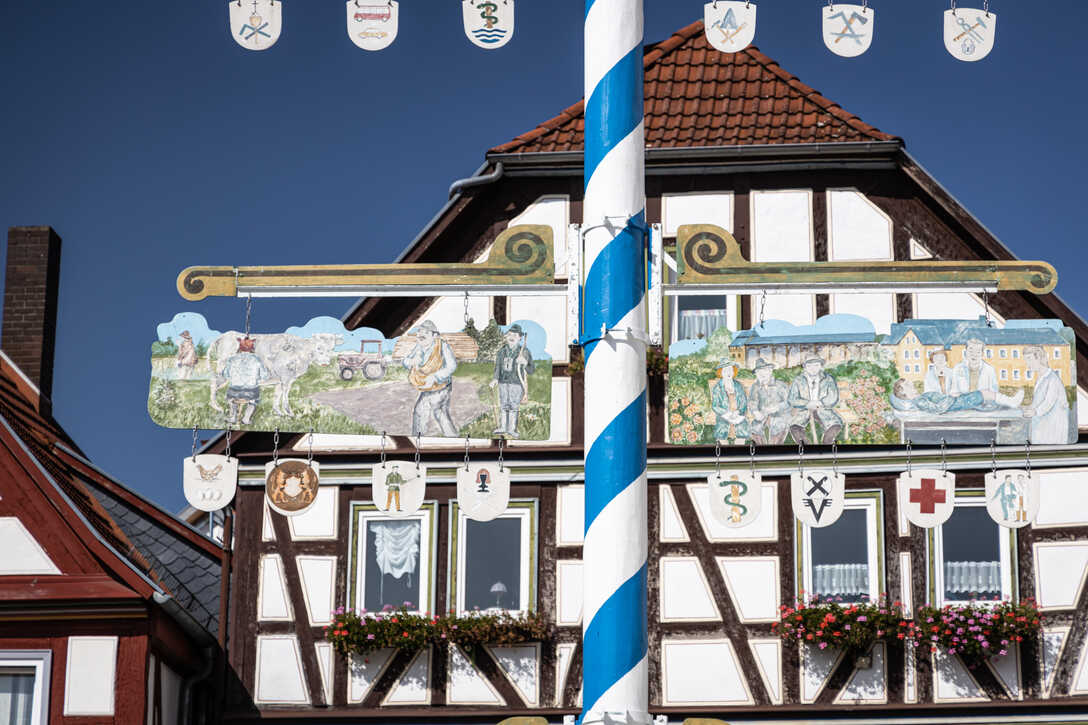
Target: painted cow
286,357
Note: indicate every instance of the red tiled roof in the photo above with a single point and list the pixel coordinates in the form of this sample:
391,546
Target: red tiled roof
698,96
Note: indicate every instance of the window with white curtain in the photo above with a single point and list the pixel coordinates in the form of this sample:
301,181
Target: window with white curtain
24,686
699,316
843,561
392,562
972,554
494,562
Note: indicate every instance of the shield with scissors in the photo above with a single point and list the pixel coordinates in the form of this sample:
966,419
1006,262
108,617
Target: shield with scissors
488,23
373,25
255,24
730,24
848,29
969,33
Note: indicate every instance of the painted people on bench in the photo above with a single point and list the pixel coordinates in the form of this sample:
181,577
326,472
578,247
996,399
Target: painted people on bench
973,373
1049,407
431,365
813,396
730,404
513,365
905,397
769,405
938,374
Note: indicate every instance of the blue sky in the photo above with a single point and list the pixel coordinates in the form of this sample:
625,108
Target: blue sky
151,142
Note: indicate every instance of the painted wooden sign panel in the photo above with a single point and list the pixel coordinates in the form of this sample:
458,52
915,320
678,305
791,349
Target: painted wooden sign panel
848,29
818,496
735,497
256,24
209,481
373,25
961,381
291,485
927,496
489,24
969,33
1012,497
478,383
398,487
483,490
730,24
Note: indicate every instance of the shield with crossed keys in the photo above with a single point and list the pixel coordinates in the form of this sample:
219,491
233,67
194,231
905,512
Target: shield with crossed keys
256,24
848,29
730,25
818,496
969,33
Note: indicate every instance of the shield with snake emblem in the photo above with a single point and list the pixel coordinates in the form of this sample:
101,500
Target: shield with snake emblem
488,23
736,497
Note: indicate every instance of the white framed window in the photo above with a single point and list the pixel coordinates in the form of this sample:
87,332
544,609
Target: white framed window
1003,353
392,560
1004,374
24,686
1016,374
917,368
1031,374
846,559
989,353
971,554
1016,353
1058,354
493,563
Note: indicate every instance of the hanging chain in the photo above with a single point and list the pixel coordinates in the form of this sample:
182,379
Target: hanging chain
717,457
502,442
276,447
986,306
382,453
864,6
762,306
993,457
953,7
801,457
417,450
1027,457
310,448
835,457
249,311
908,457
227,449
986,7
194,444
466,453
752,456
944,461
468,318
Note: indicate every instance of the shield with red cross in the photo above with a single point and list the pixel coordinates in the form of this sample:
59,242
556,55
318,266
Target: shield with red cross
927,496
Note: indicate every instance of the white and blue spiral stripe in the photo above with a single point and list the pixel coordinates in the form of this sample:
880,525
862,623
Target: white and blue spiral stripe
614,630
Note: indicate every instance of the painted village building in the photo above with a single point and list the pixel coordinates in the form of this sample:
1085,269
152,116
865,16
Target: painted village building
736,141
109,605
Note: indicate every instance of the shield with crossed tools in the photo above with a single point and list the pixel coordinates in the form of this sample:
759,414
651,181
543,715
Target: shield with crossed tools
927,496
730,25
969,33
1012,497
398,487
818,496
488,23
255,24
483,490
736,497
848,29
209,481
373,25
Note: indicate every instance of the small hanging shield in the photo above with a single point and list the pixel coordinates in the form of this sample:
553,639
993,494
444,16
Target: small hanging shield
398,487
255,24
927,496
735,497
848,29
209,481
1012,497
372,26
730,24
488,23
969,33
818,497
483,490
290,485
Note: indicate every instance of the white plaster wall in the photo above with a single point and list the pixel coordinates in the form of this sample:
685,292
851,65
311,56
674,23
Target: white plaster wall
1063,498
816,667
906,585
684,592
89,675
768,654
520,664
877,308
952,682
319,521
171,695
22,553
448,313
1079,686
858,230
1054,639
325,658
564,653
702,672
868,686
672,526
570,515
465,685
1007,669
272,601
568,592
951,306
267,532
696,208
318,577
342,442
763,528
753,585
782,232
554,211
414,687
560,421
1059,573
279,671
550,312
363,672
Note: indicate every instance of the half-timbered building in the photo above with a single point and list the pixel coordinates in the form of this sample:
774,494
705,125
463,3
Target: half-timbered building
736,141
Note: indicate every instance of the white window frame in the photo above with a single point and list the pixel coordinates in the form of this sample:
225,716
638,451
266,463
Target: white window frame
41,662
989,354
1006,539
1003,353
362,514
1016,374
1016,353
1030,374
872,502
524,510
1004,374
1057,353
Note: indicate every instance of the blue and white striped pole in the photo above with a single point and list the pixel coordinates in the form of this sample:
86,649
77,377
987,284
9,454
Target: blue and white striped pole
614,664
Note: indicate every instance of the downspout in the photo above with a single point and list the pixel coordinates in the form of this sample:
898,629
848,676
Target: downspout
461,184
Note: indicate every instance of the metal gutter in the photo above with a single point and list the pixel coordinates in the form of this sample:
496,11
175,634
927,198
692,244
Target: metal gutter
477,180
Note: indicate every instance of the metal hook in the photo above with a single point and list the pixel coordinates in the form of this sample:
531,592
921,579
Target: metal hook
468,318
986,305
993,456
944,461
276,447
502,442
310,448
417,450
752,456
194,444
717,457
1027,457
383,450
835,457
801,457
762,307
908,457
249,311
226,450
466,453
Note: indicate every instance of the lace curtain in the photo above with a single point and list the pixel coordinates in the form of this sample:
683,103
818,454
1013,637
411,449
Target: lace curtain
396,547
972,577
836,580
16,697
695,324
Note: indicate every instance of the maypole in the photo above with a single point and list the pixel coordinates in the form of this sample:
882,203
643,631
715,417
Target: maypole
614,662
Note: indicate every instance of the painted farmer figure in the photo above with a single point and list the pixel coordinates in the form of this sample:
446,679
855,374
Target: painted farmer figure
431,364
1049,408
186,357
244,372
769,405
513,365
730,405
938,375
813,396
973,373
392,489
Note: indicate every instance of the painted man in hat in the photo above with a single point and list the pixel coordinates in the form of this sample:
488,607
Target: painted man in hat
431,364
244,372
186,357
730,404
513,364
813,396
769,405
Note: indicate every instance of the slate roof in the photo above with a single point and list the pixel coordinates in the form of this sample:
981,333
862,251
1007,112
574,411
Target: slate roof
698,96
751,337
928,332
958,332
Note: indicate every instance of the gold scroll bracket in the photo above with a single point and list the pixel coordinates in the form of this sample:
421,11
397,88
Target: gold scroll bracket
521,259
709,256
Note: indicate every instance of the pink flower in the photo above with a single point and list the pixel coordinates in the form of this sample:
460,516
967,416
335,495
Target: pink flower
370,636
823,645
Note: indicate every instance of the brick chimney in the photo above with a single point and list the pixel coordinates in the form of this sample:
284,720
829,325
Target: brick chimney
31,282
